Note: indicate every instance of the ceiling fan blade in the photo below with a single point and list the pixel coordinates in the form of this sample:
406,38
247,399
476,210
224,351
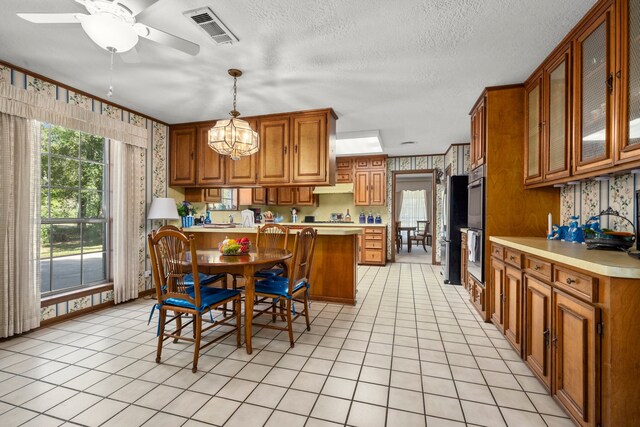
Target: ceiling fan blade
167,39
131,56
52,18
136,6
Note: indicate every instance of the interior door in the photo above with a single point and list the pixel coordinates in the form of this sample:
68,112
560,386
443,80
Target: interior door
538,328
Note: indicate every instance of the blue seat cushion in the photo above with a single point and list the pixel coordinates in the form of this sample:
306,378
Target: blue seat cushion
208,298
205,279
268,273
277,286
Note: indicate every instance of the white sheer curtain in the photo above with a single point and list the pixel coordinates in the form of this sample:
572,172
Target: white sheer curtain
19,225
128,198
413,208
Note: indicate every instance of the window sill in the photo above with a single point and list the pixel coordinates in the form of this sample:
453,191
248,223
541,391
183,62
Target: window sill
77,293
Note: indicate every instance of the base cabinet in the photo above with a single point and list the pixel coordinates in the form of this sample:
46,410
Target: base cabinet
372,246
497,293
513,307
538,328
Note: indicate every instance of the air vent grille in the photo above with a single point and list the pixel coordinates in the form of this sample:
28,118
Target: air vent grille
208,22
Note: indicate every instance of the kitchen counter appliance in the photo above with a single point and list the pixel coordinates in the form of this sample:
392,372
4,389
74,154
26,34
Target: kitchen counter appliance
475,223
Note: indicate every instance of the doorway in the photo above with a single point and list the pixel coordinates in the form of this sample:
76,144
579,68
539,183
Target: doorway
413,216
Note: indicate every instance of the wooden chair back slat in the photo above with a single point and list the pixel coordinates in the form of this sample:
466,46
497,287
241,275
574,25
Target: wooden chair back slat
272,236
303,249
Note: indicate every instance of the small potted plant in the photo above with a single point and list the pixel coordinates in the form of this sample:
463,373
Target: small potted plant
186,212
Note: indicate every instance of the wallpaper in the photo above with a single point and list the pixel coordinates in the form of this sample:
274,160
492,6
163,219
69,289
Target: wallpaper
590,197
154,162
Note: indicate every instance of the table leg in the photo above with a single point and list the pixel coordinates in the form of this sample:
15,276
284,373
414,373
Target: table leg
408,241
249,296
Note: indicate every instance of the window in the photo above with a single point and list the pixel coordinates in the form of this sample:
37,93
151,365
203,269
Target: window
413,207
74,209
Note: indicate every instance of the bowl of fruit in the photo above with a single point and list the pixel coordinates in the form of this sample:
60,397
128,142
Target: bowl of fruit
235,247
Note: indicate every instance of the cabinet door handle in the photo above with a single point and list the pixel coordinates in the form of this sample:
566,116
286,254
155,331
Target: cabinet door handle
570,280
192,155
610,83
546,334
512,258
295,147
536,267
285,149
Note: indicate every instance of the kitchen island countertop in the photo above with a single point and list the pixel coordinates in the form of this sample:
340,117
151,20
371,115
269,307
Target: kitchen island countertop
322,231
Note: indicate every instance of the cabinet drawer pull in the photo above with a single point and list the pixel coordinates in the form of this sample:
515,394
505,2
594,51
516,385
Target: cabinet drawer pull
295,147
285,149
570,280
512,258
536,267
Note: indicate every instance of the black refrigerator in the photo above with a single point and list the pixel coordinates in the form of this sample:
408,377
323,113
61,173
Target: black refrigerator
455,201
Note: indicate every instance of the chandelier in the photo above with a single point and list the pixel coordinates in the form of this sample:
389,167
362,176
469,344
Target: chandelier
234,137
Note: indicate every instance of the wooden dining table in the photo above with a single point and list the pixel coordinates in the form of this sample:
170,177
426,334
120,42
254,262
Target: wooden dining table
409,230
211,261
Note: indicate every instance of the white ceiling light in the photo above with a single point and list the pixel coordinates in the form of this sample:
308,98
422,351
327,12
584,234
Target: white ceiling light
362,142
109,32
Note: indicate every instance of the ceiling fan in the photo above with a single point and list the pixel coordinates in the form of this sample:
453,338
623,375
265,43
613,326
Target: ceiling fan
112,25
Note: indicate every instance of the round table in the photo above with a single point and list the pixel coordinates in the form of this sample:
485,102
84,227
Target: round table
212,262
409,230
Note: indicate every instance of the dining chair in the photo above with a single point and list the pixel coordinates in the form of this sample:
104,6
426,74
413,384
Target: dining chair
422,234
272,236
173,258
293,287
205,279
398,236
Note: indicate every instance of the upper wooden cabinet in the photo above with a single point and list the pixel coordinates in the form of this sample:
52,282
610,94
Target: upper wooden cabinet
296,149
274,150
628,79
370,181
478,133
344,170
294,196
182,163
533,128
211,165
594,63
258,196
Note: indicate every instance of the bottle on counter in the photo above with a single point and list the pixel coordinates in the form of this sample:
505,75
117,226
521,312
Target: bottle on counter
347,217
207,220
370,218
231,219
378,218
363,218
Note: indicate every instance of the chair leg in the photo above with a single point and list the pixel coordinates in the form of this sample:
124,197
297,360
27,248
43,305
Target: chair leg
274,310
289,324
282,309
178,324
306,311
197,328
161,318
238,308
424,246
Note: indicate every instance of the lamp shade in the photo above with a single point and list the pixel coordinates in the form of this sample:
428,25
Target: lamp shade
110,33
163,208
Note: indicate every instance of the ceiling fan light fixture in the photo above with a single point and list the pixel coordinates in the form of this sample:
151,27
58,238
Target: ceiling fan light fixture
234,137
109,32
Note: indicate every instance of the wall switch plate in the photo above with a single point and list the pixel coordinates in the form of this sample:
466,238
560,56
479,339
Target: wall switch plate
147,273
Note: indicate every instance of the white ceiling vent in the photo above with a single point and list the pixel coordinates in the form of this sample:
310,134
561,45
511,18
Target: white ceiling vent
211,24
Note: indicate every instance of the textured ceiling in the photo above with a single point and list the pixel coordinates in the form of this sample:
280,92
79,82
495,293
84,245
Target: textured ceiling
411,68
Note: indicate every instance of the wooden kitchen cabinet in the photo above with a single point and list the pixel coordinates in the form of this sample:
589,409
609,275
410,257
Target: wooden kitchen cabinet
344,170
286,196
259,196
593,98
537,307
211,165
513,307
628,81
478,297
182,163
294,196
370,181
243,171
373,246
575,345
478,133
497,292
274,154
533,125
305,197
310,156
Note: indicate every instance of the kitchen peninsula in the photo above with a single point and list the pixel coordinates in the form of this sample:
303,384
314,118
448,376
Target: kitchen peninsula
333,272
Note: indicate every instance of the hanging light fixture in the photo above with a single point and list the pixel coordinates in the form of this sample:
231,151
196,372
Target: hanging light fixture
234,137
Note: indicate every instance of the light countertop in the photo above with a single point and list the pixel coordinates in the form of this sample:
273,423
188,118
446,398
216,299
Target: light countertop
330,224
605,263
322,231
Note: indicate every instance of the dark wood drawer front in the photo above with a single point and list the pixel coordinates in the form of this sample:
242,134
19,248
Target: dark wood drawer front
538,267
577,284
513,257
497,251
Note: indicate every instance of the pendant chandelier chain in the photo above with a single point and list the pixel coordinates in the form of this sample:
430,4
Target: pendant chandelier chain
235,113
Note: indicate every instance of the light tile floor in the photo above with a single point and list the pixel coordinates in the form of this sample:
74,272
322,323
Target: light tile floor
412,352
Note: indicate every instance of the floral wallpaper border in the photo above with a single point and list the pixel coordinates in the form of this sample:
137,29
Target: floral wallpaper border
154,162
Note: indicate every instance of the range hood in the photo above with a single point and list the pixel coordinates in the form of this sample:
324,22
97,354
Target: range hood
334,189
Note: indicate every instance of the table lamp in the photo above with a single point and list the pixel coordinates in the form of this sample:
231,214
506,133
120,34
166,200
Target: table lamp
163,208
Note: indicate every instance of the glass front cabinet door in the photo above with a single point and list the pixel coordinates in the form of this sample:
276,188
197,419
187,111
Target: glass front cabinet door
533,126
594,64
628,80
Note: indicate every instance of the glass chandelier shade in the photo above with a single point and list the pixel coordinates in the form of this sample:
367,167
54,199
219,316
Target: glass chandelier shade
234,137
